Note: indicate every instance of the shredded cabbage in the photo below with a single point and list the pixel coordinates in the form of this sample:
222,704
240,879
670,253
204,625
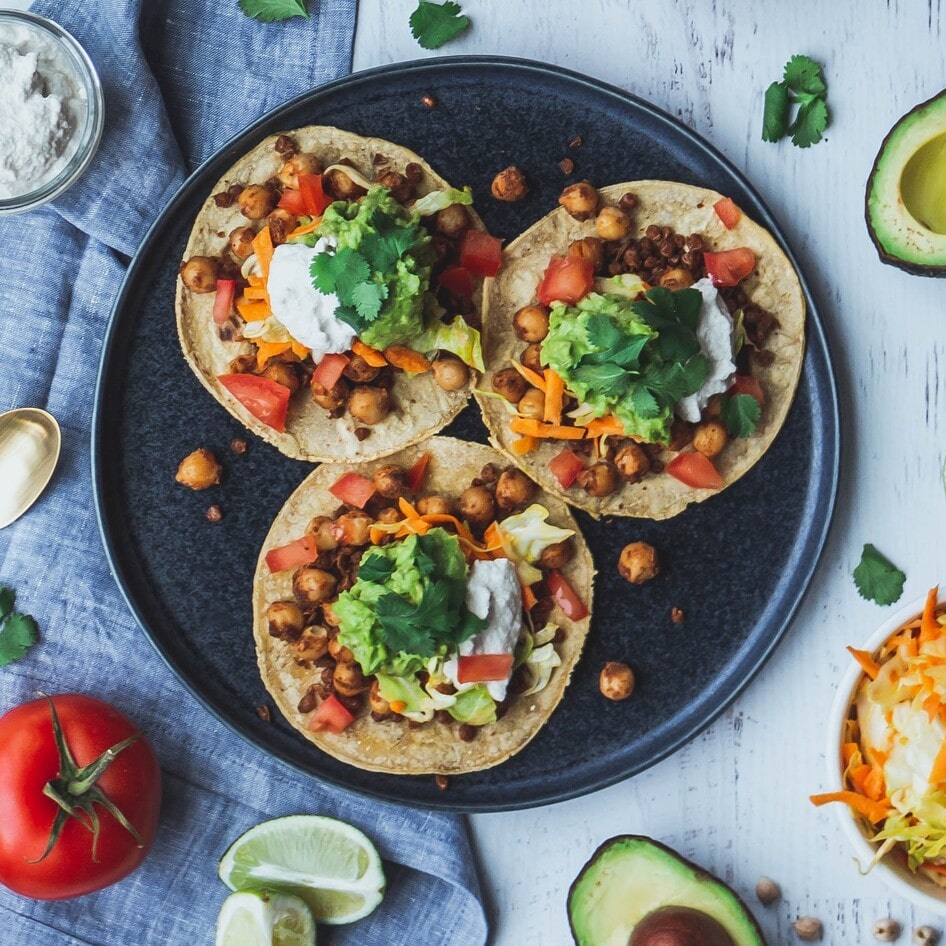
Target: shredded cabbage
457,337
436,201
525,536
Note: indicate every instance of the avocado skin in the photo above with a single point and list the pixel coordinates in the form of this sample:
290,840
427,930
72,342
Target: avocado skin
914,265
630,862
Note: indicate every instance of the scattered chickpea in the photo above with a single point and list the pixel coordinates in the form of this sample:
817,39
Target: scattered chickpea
241,241
766,889
477,505
599,479
590,249
284,373
509,184
514,489
199,470
510,384
612,223
453,220
304,163
349,680
579,200
435,506
333,398
214,513
532,404
312,586
449,372
886,930
710,437
632,461
808,928
257,201
531,323
616,681
638,563
390,481
925,936
312,644
285,620
359,371
199,274
320,528
678,617
557,554
281,223
340,185
368,405
429,101
566,165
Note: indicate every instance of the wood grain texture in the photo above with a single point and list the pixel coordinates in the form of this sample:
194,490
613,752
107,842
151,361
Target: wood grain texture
736,799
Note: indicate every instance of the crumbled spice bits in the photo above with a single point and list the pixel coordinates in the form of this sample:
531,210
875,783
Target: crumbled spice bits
566,166
263,713
238,446
443,783
429,101
214,513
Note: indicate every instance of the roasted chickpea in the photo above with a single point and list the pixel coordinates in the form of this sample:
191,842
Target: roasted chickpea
435,506
509,184
452,221
580,200
510,384
285,620
340,185
449,372
285,373
531,323
599,479
401,188
329,616
312,644
531,357
353,528
379,706
638,563
281,223
557,554
477,506
681,433
242,364
369,405
330,398
348,679
532,404
588,248
311,586
514,489
389,515
616,681
320,528
241,242
304,163
199,274
359,371
612,223
257,201
199,470
710,437
632,461
676,278
390,481
339,651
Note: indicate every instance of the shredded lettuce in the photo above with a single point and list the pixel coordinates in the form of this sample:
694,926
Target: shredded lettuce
537,652
474,706
436,201
420,704
457,337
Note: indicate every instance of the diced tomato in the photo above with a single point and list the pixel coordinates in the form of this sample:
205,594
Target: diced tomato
481,668
458,280
297,553
729,267
264,399
567,279
566,466
223,300
480,253
415,475
727,211
331,715
293,201
329,370
695,470
314,198
746,384
353,489
565,596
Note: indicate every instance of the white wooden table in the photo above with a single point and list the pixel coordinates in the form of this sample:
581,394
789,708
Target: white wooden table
736,799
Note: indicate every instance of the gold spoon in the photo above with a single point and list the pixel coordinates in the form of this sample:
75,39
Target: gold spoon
29,451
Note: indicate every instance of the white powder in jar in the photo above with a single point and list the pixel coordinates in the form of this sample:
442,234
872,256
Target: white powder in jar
42,108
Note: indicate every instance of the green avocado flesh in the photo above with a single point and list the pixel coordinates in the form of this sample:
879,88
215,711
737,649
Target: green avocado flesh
630,877
906,192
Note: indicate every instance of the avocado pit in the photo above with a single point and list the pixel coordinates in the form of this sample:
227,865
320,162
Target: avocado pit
680,926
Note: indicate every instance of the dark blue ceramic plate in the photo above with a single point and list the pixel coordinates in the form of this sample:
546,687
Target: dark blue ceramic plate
737,565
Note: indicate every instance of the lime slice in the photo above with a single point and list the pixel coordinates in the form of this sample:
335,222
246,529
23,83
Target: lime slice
329,864
264,918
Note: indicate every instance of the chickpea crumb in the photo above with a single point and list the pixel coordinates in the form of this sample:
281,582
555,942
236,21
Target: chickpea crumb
575,142
263,713
214,513
638,562
616,681
199,470
238,446
442,782
509,185
429,101
676,615
566,166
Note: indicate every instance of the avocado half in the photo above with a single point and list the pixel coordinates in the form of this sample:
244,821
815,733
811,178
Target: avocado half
634,891
906,191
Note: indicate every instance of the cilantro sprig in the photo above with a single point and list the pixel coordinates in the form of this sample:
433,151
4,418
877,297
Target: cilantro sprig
803,85
271,11
18,632
877,578
433,24
740,414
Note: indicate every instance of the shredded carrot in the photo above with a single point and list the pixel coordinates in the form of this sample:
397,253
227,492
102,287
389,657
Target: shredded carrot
875,786
938,772
534,428
848,750
867,662
523,446
605,425
492,537
263,248
407,510
932,704
253,311
929,626
299,349
371,355
406,359
256,292
398,706
936,868
255,281
554,397
858,776
529,600
533,377
307,228
266,350
874,811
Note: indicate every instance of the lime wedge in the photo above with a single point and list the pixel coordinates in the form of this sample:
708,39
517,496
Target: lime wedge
332,866
264,918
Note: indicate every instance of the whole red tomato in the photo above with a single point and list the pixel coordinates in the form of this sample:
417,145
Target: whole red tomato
94,784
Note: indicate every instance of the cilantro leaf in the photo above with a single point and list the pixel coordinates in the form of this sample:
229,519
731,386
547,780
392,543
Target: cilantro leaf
608,379
811,121
269,11
877,578
367,298
740,413
18,633
7,600
375,568
775,115
433,24
385,247
674,316
803,74
644,403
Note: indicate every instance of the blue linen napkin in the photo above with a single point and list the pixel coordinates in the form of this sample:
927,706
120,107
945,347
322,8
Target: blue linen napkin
180,78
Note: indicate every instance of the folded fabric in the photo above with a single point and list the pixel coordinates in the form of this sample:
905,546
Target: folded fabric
180,78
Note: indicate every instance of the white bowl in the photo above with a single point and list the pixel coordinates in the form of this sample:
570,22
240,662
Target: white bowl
915,887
